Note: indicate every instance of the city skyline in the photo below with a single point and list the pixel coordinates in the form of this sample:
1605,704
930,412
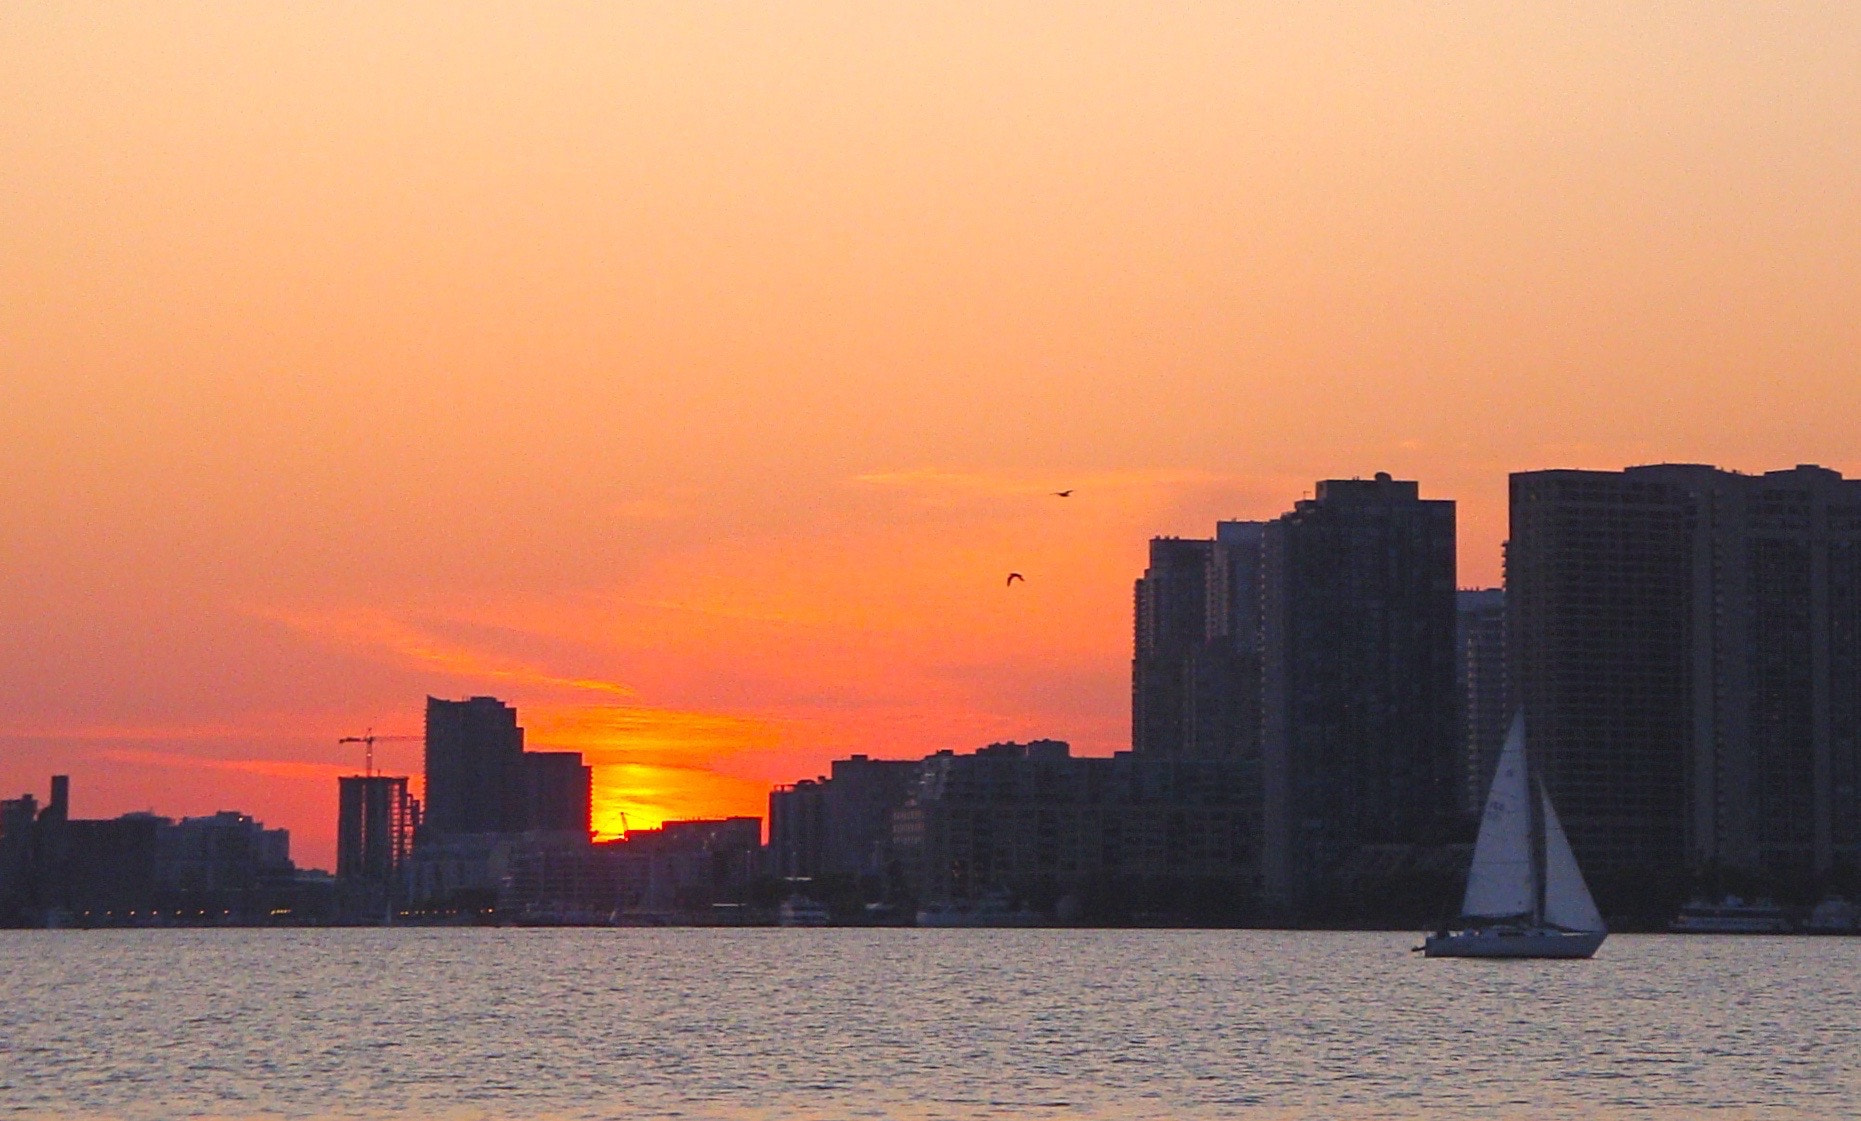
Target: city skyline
692,378
1216,590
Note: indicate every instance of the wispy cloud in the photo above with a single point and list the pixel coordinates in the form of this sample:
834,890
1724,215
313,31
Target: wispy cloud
934,480
135,733
381,633
264,768
664,737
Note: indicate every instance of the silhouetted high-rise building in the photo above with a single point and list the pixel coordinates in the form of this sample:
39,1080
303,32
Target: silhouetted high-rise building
841,824
219,853
1032,820
18,819
558,792
1686,645
1171,620
1359,705
1195,667
798,829
375,823
1480,655
474,767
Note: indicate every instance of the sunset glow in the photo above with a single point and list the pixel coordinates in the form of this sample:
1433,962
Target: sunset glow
690,377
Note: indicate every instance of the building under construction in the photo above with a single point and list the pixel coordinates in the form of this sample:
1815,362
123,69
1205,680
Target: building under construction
375,824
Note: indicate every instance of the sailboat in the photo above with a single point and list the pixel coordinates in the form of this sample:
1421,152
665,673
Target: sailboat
1525,894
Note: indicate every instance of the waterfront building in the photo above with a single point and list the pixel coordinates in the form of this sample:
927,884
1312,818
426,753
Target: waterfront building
1170,619
375,823
797,829
1359,706
475,773
1686,645
1165,833
18,819
223,854
839,823
486,797
558,793
1195,666
140,868
1010,817
1485,711
683,869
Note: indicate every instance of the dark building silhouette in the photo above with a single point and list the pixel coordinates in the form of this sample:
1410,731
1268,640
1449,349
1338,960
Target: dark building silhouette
18,820
1195,666
218,854
1009,817
558,792
1171,621
1485,714
1599,573
838,825
689,869
483,793
798,829
475,773
1686,645
109,867
1160,833
479,779
139,869
375,822
1359,688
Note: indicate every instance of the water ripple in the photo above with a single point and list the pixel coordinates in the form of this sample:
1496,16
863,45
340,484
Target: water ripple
771,1025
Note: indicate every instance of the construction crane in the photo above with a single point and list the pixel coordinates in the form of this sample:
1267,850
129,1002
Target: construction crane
369,739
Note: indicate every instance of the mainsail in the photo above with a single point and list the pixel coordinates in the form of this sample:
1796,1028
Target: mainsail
1567,902
1503,881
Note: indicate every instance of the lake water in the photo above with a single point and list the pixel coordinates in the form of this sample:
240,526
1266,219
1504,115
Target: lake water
748,1025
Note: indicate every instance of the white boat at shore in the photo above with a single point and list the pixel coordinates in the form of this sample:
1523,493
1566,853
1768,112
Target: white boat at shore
990,910
1525,894
799,910
1731,915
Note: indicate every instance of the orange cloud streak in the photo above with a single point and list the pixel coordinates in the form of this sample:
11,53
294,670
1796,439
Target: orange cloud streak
373,630
264,768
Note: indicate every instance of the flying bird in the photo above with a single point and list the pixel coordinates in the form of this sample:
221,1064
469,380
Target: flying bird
1012,577
1063,493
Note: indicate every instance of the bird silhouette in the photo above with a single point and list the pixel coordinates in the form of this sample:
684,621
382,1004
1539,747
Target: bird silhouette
1012,577
1063,493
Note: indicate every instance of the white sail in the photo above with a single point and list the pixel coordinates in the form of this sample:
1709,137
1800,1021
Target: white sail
1502,882
1567,902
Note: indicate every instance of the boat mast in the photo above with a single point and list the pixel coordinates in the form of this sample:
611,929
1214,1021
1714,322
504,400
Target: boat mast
1533,794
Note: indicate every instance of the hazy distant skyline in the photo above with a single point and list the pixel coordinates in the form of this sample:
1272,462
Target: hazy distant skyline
691,376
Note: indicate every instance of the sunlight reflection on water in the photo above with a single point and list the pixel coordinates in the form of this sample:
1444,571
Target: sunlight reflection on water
800,1025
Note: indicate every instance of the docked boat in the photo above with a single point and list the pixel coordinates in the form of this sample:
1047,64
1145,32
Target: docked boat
1731,915
1834,915
990,910
799,910
1525,894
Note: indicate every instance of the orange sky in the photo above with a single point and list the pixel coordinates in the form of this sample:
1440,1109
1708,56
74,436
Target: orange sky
690,375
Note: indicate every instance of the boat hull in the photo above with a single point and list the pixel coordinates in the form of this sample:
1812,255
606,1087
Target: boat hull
1513,944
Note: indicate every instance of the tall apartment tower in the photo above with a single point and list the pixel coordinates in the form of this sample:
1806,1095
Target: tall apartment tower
1171,622
375,822
1686,645
1195,667
475,770
1485,715
558,793
1358,706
